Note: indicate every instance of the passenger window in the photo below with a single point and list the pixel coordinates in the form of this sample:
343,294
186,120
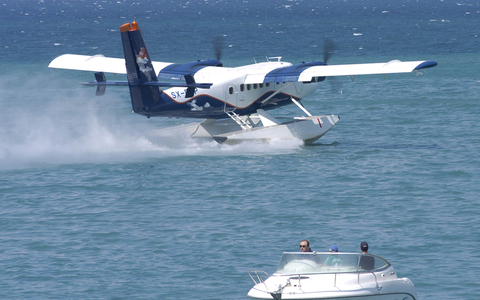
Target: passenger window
267,84
249,86
261,85
255,86
230,90
242,87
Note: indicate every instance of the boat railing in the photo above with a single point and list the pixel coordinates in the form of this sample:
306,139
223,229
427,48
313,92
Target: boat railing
299,277
258,275
379,287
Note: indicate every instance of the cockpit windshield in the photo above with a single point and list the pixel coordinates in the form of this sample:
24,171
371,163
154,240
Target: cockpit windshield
312,262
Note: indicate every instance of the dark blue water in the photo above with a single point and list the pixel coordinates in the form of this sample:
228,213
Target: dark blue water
93,208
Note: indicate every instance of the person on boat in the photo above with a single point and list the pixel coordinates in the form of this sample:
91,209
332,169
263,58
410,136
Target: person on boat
366,262
364,247
333,259
305,246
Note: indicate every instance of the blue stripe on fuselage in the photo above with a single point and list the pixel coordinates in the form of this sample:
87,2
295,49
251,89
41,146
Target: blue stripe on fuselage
207,107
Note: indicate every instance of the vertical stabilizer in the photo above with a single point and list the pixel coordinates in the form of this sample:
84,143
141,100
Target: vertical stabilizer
139,70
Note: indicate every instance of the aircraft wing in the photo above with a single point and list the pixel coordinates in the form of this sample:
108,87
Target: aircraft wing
96,63
306,73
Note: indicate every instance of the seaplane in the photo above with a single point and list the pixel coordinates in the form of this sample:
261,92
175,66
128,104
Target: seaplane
232,102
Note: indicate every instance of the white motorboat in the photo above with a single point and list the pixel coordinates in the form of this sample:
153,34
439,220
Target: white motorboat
314,275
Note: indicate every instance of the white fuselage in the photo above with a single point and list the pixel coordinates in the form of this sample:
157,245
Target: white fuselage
230,85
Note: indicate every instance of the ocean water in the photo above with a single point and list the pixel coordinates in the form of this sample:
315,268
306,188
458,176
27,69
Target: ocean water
91,207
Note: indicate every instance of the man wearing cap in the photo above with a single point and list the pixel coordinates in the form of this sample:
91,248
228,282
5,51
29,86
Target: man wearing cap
364,247
367,262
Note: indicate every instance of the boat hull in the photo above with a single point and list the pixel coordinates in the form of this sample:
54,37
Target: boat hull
399,296
399,289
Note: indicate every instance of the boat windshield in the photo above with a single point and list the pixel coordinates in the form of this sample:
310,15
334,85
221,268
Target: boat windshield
326,262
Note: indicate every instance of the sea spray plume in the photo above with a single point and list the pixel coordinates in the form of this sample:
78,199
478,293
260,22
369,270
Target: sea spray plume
52,124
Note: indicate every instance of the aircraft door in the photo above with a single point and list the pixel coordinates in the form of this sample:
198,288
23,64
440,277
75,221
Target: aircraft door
231,97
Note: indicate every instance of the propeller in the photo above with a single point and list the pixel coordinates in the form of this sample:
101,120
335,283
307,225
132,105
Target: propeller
329,48
218,46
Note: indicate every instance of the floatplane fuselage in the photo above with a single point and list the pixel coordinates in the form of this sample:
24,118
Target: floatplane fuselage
230,93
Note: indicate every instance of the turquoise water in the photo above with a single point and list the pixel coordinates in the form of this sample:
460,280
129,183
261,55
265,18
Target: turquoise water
93,208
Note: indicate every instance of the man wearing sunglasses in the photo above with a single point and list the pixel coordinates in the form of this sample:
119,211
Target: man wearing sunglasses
305,246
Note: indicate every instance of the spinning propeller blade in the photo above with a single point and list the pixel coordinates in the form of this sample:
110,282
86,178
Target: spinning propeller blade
329,48
218,46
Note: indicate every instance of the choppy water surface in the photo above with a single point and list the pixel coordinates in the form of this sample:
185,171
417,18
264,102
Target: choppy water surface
93,207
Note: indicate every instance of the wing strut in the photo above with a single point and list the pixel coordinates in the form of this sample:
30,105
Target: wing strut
301,107
274,94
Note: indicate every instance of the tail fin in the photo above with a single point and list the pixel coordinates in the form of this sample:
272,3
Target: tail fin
139,70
